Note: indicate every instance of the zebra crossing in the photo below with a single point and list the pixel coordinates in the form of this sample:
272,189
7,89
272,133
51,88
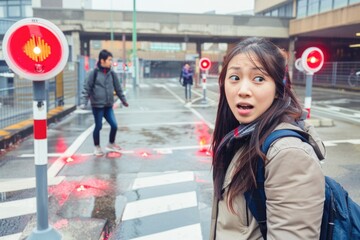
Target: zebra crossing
167,208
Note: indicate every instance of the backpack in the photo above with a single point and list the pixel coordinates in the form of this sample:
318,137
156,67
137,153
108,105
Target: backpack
95,75
341,215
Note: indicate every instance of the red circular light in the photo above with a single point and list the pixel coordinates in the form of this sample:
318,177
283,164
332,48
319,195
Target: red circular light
35,49
26,39
204,64
314,59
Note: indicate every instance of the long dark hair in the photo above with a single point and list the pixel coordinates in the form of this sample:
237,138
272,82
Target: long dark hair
285,108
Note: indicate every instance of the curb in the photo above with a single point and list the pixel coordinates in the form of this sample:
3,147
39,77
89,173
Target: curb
16,132
322,122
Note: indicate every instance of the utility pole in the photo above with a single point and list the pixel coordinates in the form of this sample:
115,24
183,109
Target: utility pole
111,26
134,73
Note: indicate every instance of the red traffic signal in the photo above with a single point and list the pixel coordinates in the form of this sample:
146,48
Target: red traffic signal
204,64
35,49
312,59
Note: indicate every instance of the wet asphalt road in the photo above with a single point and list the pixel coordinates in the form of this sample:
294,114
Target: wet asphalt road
160,184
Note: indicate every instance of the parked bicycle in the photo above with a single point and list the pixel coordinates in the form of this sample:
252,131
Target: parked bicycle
353,79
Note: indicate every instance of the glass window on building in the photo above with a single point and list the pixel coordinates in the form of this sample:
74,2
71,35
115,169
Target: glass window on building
340,3
325,5
301,8
2,12
27,11
313,7
354,1
14,11
289,10
275,13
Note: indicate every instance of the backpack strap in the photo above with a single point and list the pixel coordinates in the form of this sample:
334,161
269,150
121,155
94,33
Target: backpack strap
256,198
94,79
95,76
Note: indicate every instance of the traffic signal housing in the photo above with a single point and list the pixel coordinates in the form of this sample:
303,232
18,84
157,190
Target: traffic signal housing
312,59
204,64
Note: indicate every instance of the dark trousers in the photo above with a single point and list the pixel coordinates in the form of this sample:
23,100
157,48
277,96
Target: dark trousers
108,114
188,91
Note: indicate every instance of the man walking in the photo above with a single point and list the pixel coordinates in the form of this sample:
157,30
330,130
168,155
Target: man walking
99,87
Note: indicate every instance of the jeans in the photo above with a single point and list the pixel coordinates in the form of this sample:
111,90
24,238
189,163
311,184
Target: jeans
188,91
108,114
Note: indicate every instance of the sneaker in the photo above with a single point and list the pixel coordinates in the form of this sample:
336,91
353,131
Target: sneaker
113,147
98,151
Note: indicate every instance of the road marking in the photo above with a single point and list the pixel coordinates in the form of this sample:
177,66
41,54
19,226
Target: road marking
333,143
59,163
11,237
183,147
17,208
163,179
27,155
174,94
192,232
323,110
25,183
156,124
151,206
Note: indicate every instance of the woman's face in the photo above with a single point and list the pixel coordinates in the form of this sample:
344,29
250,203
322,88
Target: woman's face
249,91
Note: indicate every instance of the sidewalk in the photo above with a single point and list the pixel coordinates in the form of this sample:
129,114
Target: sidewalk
16,132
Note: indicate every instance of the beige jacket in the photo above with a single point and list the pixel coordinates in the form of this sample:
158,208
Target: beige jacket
295,191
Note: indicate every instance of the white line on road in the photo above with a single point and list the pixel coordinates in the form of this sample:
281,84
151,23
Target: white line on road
10,185
192,232
27,155
332,143
59,163
17,208
210,125
163,179
157,124
11,237
151,206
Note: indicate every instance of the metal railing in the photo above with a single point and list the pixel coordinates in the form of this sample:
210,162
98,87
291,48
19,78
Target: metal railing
333,75
16,99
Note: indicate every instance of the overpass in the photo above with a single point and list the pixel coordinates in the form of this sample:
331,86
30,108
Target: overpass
83,25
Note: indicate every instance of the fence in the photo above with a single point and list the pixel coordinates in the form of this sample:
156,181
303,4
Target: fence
333,75
16,94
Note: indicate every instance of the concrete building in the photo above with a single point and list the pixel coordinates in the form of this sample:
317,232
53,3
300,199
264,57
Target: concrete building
333,25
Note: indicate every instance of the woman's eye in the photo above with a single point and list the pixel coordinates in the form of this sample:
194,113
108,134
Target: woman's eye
259,79
234,77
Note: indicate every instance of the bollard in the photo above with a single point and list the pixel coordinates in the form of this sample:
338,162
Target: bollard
204,101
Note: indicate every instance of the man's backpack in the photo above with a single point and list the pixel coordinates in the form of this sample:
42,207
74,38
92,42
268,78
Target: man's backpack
341,215
95,76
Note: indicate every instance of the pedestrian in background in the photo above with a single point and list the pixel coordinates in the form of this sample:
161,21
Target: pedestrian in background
256,99
99,87
187,80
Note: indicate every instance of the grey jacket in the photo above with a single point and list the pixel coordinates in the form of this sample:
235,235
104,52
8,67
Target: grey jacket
101,91
295,191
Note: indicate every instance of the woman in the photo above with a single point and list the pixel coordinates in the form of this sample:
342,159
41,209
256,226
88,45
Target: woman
256,99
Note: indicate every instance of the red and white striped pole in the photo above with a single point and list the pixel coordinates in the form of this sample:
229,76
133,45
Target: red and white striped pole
43,230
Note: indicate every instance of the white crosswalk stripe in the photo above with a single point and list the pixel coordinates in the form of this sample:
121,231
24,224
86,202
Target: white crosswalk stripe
161,203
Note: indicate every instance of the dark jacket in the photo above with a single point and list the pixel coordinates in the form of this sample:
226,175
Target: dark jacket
100,91
187,76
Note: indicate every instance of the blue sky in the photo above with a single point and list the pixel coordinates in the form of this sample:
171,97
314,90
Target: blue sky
179,6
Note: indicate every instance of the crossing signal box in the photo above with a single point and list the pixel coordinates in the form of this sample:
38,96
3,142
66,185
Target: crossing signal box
312,59
204,64
35,49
